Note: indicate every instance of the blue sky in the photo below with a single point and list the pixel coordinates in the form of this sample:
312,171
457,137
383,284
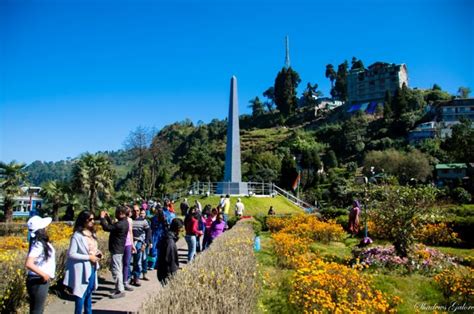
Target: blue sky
78,76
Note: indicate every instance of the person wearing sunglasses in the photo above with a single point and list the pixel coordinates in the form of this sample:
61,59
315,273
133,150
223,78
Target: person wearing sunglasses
83,262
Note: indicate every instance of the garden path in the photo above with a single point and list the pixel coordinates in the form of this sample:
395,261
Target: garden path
131,303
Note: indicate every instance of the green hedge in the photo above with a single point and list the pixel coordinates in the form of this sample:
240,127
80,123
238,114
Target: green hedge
461,220
222,279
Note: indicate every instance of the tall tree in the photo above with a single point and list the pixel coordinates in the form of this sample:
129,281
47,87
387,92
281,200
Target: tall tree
436,87
54,193
331,75
93,176
340,88
288,171
12,175
138,142
159,151
257,107
387,106
357,64
463,92
310,94
400,101
270,95
286,83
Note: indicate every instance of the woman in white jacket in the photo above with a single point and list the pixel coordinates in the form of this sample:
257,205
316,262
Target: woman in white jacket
83,262
40,262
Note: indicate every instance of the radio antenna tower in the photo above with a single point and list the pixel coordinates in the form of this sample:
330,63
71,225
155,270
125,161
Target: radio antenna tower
287,57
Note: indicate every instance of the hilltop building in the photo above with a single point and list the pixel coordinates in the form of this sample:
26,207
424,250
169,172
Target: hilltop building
369,85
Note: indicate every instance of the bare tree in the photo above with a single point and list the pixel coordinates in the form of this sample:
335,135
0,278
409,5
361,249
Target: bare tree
138,142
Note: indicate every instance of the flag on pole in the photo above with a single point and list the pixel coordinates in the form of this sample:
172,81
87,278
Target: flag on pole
296,184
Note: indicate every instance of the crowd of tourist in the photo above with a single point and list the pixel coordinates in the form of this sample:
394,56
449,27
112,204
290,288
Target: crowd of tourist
142,236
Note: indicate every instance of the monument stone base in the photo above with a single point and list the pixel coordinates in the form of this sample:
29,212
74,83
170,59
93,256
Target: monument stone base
232,188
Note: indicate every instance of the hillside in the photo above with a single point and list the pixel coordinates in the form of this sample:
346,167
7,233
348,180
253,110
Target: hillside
327,151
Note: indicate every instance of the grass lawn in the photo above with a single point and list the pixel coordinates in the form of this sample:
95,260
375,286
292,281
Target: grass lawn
274,280
253,205
412,289
458,252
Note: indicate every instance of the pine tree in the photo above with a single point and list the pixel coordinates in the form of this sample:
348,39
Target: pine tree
286,83
388,109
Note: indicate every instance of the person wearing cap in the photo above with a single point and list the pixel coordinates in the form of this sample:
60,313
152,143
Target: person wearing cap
40,262
239,208
82,262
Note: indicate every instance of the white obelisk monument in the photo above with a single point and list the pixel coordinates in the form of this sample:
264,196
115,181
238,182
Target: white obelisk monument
232,183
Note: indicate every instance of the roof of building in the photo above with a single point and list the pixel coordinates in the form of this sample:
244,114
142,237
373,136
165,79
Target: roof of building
450,166
458,102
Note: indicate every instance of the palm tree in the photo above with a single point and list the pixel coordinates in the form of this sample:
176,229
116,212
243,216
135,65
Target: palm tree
12,175
54,193
257,107
93,176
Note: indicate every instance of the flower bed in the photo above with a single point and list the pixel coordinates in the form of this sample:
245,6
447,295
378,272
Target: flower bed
319,286
331,287
457,285
13,249
423,259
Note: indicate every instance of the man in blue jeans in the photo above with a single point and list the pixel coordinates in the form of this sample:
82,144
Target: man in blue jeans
141,240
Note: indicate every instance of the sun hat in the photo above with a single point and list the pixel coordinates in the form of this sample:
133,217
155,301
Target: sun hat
36,223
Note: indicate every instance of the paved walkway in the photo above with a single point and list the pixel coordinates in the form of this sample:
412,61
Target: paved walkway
131,303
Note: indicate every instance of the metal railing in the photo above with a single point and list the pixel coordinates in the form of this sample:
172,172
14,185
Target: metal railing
210,188
254,189
298,202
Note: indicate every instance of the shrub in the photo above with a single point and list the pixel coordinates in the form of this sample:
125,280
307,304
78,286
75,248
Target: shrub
436,234
461,220
256,226
460,195
457,285
12,286
232,221
263,221
12,228
399,211
333,213
223,279
351,167
343,221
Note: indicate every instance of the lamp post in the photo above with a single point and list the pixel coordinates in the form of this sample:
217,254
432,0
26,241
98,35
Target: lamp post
298,178
366,200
